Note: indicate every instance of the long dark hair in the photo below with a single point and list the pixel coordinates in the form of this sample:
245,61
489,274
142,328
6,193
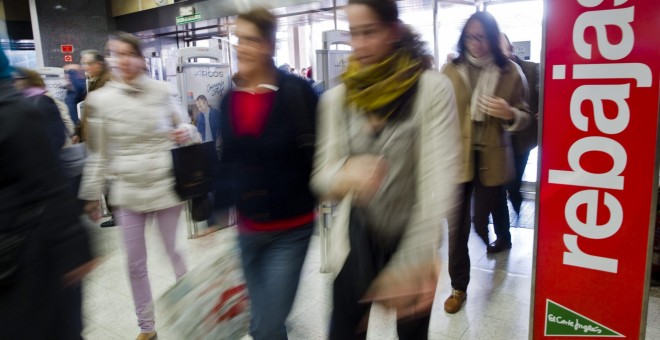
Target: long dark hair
388,12
492,37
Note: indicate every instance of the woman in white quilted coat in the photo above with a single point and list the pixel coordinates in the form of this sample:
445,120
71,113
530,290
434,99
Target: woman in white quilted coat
134,122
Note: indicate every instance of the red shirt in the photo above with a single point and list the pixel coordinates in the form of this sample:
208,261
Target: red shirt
250,111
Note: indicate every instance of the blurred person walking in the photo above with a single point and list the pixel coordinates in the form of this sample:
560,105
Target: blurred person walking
388,148
25,78
76,89
133,123
525,140
267,131
44,249
490,95
98,74
60,126
32,86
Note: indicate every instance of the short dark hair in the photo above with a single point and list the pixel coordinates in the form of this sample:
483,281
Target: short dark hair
96,55
492,37
202,97
264,20
387,10
135,42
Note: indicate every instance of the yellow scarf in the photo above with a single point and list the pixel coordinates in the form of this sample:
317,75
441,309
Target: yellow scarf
376,88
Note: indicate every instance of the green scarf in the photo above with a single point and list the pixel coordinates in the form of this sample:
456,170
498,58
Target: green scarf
377,88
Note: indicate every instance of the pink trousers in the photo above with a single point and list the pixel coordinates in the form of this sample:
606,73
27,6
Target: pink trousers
132,225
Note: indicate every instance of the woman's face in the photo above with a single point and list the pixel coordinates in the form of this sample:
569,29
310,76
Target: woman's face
372,40
129,62
253,50
476,41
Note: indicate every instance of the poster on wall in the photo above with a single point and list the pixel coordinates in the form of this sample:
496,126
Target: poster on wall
203,82
203,87
523,49
598,175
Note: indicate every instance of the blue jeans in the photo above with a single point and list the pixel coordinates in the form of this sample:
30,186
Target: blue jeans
272,262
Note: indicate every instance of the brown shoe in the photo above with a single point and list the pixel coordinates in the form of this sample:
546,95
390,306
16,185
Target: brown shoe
147,336
498,246
455,301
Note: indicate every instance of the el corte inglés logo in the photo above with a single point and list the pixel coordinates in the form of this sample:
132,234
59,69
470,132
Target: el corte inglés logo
561,321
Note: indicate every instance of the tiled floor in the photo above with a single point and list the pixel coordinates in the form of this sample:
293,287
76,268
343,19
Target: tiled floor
497,308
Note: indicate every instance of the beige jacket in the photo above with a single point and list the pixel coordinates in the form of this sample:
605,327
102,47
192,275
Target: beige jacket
130,142
496,164
439,153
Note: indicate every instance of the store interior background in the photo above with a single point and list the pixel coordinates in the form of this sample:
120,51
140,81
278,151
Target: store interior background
299,37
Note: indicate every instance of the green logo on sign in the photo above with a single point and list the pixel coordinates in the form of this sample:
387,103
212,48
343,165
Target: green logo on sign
188,18
561,321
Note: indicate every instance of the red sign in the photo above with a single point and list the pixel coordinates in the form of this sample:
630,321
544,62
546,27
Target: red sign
68,58
598,175
66,48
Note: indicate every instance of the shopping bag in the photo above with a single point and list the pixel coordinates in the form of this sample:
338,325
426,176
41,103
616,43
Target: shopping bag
194,169
210,302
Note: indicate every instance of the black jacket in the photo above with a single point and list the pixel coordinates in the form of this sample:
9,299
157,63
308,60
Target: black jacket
267,177
37,202
55,129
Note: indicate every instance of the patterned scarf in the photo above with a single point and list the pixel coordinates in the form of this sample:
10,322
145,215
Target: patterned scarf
486,85
380,88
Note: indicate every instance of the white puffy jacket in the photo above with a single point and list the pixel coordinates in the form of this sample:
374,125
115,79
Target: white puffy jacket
130,142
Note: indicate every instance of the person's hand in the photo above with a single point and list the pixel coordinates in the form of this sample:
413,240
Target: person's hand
75,139
496,107
181,135
364,174
93,209
537,116
77,274
409,291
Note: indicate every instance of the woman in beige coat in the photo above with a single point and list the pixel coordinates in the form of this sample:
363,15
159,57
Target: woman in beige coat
388,149
490,94
133,124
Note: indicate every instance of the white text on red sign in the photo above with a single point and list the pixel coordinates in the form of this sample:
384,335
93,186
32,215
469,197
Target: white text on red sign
624,76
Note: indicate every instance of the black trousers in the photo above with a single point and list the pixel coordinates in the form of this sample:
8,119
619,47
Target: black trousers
367,258
520,162
487,200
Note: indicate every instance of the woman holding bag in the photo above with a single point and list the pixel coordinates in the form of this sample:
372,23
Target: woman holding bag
134,122
388,148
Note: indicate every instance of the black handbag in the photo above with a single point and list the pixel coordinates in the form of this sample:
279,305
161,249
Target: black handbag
193,169
200,208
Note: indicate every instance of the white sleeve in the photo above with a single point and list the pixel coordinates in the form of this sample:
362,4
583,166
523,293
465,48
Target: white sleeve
438,169
94,173
331,150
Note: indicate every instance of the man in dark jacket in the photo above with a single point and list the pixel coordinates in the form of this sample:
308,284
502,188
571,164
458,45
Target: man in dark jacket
76,90
526,140
44,250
